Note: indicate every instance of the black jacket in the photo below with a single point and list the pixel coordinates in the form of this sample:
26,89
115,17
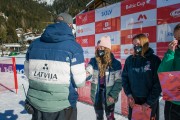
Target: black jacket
139,76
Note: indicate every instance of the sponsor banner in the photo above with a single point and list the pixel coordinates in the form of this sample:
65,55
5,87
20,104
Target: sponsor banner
84,93
134,6
154,47
9,68
139,20
85,18
115,49
6,68
86,41
165,32
89,52
126,50
20,69
86,61
162,3
108,25
169,14
87,29
108,12
115,37
162,47
127,35
123,62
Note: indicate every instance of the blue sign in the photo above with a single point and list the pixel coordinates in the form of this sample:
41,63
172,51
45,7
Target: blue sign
107,12
20,69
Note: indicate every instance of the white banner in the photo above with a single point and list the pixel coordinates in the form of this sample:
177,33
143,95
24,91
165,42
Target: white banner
165,32
115,37
89,52
87,29
108,12
126,50
154,47
139,20
162,3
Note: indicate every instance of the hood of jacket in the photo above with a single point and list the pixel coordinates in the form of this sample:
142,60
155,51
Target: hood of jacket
57,32
149,52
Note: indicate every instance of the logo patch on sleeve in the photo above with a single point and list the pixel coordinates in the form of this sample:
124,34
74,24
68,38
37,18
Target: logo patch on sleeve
67,59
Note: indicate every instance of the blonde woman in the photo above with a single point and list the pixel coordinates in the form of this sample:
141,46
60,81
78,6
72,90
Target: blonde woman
139,77
105,72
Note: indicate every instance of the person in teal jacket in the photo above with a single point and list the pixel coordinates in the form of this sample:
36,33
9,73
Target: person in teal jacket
171,62
105,76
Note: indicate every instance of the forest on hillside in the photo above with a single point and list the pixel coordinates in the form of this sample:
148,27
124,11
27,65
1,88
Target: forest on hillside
33,15
26,14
